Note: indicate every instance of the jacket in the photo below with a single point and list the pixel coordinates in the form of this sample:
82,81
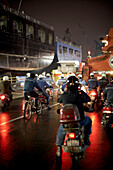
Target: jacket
92,83
29,85
75,98
108,93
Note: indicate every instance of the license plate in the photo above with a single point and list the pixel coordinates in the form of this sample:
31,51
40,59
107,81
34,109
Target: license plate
92,98
73,143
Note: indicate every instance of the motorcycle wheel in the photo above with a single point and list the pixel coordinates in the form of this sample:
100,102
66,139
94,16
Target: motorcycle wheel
75,160
39,107
6,105
27,111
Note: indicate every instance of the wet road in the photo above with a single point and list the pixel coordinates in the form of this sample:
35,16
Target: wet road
31,144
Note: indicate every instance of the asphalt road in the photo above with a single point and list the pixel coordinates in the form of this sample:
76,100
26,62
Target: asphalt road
31,144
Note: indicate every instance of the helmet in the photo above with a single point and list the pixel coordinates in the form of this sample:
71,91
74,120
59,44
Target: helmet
91,74
62,76
32,75
47,75
5,78
28,74
40,76
103,75
80,75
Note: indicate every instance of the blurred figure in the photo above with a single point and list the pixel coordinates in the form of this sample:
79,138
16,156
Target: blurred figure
61,81
108,92
29,86
42,83
92,83
6,87
103,82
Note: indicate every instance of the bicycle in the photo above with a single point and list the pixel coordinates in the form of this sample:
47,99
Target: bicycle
29,107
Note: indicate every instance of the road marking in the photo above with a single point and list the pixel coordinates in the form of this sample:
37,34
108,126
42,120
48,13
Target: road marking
20,117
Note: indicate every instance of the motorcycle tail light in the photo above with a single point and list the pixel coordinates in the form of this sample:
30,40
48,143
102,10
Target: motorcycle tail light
72,135
93,93
2,97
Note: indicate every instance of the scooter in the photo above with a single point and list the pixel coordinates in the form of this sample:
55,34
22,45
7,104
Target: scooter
74,138
107,117
4,101
94,97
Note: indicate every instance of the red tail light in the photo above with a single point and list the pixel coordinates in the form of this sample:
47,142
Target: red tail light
72,135
2,97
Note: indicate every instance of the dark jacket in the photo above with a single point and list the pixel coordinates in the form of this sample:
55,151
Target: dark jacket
5,87
108,93
29,85
103,82
92,83
76,98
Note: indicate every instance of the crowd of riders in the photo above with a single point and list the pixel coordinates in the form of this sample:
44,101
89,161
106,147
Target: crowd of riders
71,93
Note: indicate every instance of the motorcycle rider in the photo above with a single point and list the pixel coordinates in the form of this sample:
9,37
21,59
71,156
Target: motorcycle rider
75,97
6,87
44,85
61,81
29,86
108,92
103,82
92,83
81,81
48,79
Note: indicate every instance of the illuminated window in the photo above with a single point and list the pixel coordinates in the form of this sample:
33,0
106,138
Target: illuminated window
41,35
64,50
70,51
17,27
60,49
50,38
76,52
29,31
3,23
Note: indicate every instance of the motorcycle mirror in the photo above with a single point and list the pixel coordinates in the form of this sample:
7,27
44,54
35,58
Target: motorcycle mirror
58,111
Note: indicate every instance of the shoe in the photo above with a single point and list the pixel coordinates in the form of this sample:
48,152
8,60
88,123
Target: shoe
59,151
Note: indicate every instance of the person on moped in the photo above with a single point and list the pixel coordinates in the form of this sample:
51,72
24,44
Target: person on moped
108,93
44,85
75,97
92,83
29,88
5,87
103,82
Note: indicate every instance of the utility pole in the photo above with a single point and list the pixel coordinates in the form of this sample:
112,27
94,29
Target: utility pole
19,6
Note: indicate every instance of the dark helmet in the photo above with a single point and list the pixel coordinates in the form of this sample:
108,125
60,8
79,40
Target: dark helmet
72,83
32,75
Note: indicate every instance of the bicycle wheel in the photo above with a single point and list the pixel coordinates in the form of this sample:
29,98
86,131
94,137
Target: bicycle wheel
39,107
27,111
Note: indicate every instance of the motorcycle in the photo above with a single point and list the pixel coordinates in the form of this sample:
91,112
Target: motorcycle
4,101
94,98
74,138
107,117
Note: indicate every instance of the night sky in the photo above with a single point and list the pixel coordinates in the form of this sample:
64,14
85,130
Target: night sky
87,20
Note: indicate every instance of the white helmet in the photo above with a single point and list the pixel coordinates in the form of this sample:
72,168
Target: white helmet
40,76
80,75
5,78
91,74
62,76
47,74
28,75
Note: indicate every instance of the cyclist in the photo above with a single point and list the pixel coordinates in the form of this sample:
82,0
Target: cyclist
29,87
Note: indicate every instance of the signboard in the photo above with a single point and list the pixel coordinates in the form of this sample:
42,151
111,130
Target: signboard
111,62
20,79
